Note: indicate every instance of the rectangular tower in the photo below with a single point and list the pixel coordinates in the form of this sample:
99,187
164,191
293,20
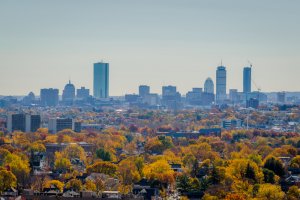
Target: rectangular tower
101,80
247,80
221,95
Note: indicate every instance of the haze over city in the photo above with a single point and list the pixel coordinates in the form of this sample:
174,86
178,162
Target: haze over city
44,44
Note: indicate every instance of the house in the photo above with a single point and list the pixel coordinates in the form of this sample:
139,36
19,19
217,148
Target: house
11,192
111,195
144,189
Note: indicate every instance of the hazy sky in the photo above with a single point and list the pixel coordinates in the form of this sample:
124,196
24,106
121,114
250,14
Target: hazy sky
154,42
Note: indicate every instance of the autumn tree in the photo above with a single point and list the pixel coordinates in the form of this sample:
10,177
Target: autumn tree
293,193
61,163
270,192
56,183
7,180
74,151
75,185
102,167
161,171
128,172
90,186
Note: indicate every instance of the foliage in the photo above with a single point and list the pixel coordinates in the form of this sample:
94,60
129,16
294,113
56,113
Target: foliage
159,170
275,165
7,180
104,155
102,167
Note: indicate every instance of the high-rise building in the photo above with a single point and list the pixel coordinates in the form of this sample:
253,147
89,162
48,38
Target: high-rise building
144,90
69,93
83,93
101,80
209,86
247,80
23,122
170,97
49,97
58,124
221,84
194,97
281,97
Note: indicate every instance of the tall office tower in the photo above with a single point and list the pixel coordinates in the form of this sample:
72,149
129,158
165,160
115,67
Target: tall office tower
69,93
221,84
247,80
23,122
58,124
83,93
144,90
49,97
209,86
101,80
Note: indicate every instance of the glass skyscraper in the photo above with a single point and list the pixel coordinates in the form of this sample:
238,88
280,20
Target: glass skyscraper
247,80
101,80
221,95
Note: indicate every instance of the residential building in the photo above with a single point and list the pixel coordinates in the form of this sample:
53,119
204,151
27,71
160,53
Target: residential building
247,80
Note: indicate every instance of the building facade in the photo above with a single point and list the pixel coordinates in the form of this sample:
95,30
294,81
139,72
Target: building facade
23,122
221,77
209,86
58,124
101,80
83,93
69,93
247,80
144,90
49,97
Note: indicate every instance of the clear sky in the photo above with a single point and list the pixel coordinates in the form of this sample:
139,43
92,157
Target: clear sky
157,42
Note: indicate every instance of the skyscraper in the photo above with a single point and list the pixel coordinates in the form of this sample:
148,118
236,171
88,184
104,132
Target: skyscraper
144,90
209,86
247,80
101,80
49,97
69,93
83,93
221,84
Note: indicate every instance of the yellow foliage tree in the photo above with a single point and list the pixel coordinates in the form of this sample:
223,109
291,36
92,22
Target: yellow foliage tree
7,180
160,170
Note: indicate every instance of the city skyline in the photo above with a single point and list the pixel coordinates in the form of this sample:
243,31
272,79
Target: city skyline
157,44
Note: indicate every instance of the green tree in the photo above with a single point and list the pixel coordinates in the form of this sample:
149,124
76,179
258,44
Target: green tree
104,155
269,176
275,165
